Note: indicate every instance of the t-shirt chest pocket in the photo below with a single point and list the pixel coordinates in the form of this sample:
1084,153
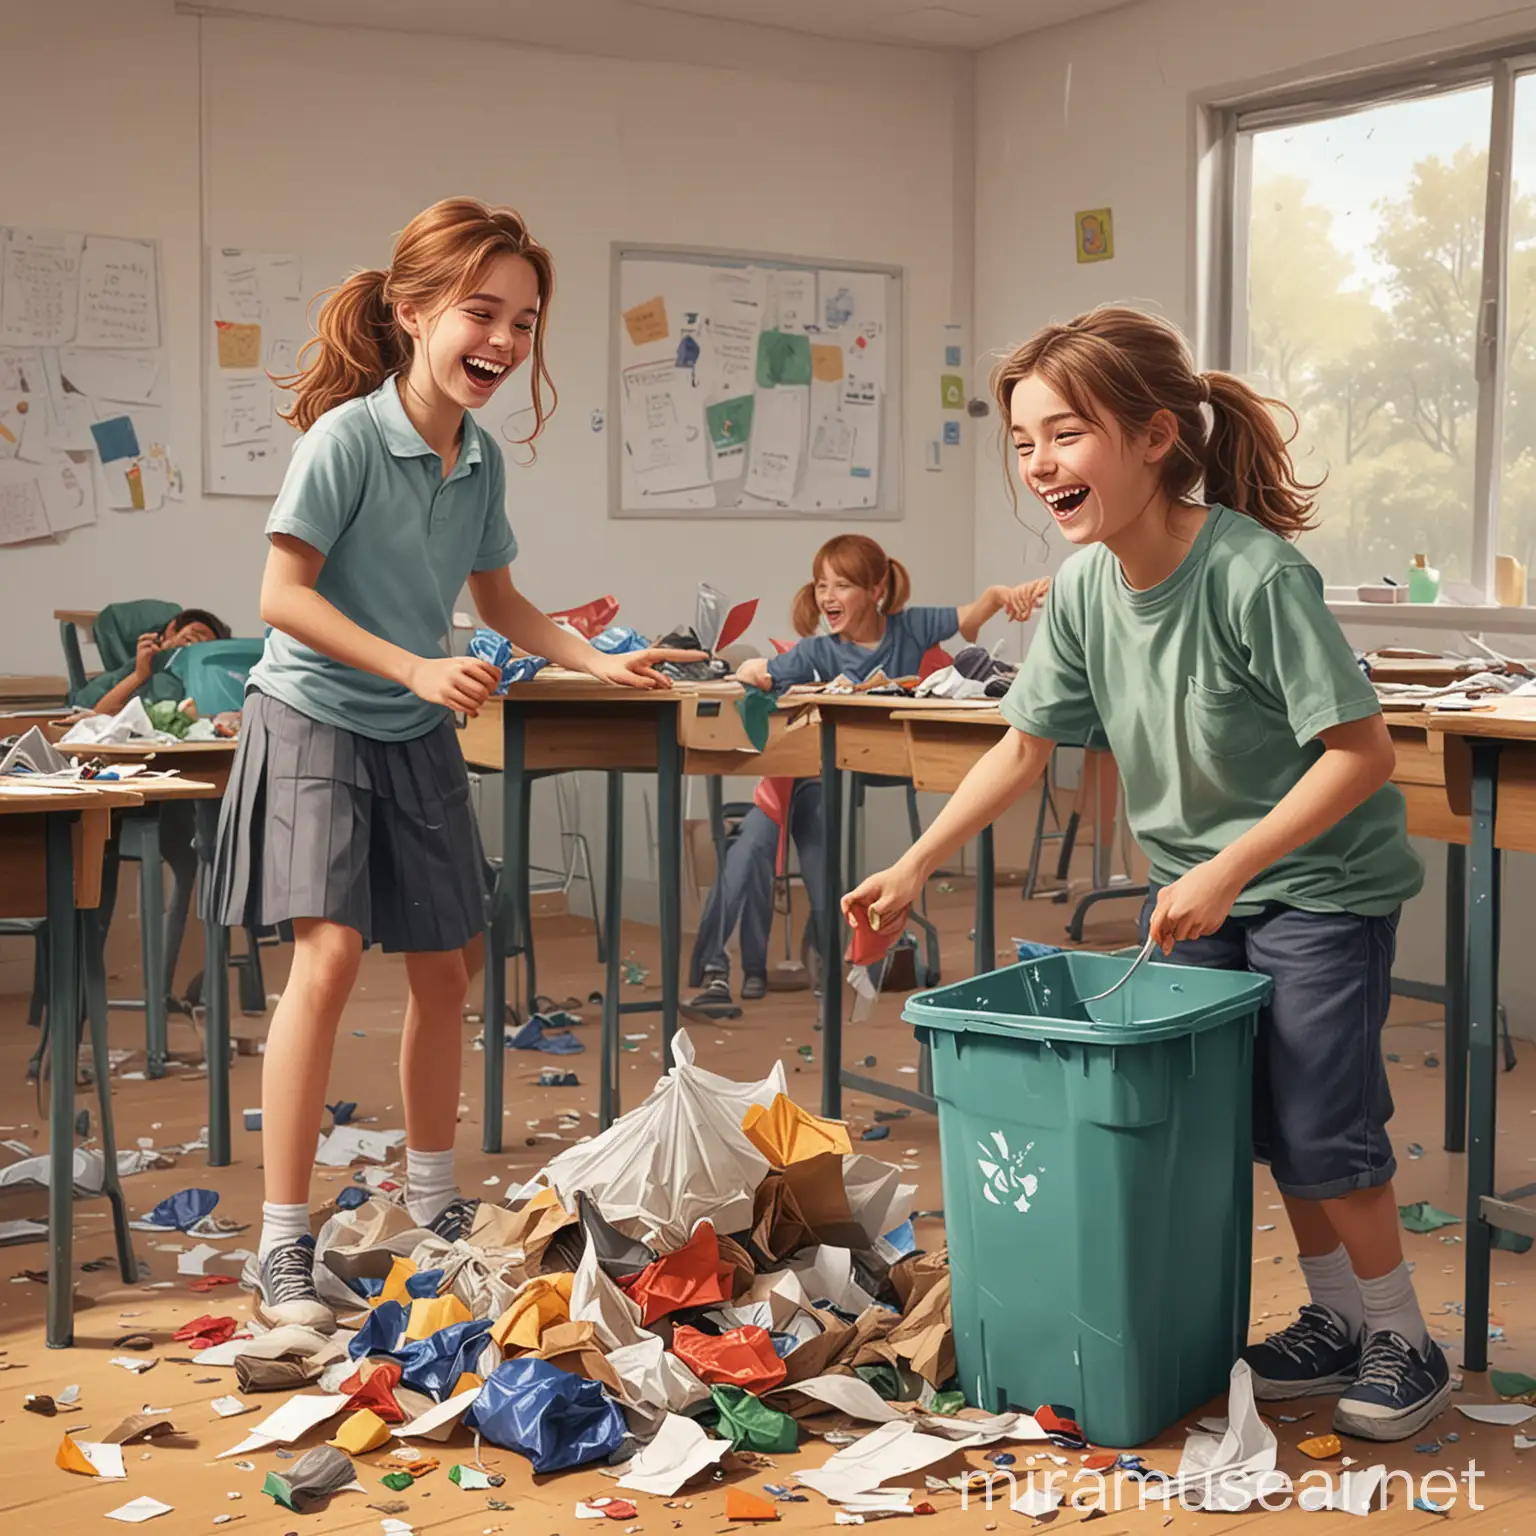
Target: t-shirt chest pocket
1223,720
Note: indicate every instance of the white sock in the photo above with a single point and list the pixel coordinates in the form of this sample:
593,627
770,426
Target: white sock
1391,1305
281,1224
1332,1284
429,1184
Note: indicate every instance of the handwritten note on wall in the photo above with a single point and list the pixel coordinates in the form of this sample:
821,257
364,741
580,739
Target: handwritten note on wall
258,327
84,393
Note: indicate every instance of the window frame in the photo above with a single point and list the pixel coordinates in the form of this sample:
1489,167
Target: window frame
1229,126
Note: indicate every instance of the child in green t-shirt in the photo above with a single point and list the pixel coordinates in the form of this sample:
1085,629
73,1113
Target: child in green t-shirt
147,675
1189,634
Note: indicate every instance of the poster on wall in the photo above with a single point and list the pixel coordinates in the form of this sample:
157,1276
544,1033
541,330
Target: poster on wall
256,328
749,387
84,392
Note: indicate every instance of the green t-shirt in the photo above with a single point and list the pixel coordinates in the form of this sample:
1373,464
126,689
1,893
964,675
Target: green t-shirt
1211,690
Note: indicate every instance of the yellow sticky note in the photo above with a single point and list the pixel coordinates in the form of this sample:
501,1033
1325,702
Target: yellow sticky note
431,1315
826,363
647,322
239,345
364,1431
394,1284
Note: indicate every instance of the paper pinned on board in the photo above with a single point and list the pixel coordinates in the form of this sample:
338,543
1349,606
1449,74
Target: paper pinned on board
778,440
119,293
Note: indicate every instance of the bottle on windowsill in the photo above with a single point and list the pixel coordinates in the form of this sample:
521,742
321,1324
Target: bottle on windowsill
1423,581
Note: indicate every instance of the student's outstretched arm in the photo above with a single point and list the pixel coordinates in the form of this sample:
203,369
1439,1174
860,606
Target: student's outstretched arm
1019,602
1004,774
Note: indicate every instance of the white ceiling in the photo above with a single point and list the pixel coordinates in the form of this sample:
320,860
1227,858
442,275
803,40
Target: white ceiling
951,24
614,26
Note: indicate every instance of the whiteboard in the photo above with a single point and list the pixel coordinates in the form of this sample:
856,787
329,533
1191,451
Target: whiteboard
256,325
752,386
84,395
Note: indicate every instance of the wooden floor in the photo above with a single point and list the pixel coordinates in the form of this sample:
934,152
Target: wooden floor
35,1496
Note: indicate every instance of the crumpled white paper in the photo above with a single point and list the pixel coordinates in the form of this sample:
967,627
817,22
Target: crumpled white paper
653,1377
678,1158
892,1450
681,1450
1229,1472
597,1300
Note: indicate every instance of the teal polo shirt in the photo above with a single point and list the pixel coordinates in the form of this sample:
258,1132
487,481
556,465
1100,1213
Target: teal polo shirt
399,542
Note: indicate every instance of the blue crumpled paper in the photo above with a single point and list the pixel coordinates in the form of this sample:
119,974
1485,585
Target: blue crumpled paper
184,1209
352,1196
532,1037
618,639
487,645
429,1365
555,1419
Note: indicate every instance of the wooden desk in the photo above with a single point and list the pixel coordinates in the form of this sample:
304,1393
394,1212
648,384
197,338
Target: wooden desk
1490,763
32,692
43,829
207,764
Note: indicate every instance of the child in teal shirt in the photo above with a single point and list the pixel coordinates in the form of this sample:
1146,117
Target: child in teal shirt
1191,635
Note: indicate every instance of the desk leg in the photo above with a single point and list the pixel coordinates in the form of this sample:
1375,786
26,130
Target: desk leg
524,877
669,836
1455,998
714,795
514,856
985,953
63,1012
1483,1035
152,940
832,938
613,918
93,964
215,991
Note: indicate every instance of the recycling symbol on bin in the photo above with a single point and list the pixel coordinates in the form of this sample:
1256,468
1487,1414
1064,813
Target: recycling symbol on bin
1004,1173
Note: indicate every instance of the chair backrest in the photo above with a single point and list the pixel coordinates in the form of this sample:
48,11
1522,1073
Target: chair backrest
119,625
215,672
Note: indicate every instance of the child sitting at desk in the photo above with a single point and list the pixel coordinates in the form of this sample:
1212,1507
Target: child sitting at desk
859,595
149,677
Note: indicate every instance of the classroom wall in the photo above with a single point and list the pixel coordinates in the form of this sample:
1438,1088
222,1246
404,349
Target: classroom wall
324,142
1103,112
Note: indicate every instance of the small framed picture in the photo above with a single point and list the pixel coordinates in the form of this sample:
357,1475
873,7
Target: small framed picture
1095,235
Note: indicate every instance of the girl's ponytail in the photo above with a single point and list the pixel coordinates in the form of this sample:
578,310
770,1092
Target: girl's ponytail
1248,460
803,613
896,589
356,346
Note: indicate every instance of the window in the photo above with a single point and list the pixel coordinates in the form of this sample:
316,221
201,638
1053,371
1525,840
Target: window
1363,296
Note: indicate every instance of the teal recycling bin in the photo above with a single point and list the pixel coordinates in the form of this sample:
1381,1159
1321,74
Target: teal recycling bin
1098,1184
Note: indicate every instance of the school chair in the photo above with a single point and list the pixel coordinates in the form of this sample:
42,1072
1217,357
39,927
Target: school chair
114,630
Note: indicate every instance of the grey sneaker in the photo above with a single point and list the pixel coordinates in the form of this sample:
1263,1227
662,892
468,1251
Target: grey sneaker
753,988
715,998
455,1219
285,1290
1397,1392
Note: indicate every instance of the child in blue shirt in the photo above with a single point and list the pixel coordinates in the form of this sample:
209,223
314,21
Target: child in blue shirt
859,595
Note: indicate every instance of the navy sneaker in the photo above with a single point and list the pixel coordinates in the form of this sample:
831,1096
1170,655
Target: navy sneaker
455,1219
1398,1391
285,1288
1314,1357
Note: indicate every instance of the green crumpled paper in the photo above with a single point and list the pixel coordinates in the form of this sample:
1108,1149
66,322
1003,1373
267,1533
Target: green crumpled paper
397,1482
893,1385
946,1403
751,1425
1513,1384
1421,1216
756,709
166,715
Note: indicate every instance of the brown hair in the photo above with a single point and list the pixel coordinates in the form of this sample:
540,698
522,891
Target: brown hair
1133,365
856,558
438,257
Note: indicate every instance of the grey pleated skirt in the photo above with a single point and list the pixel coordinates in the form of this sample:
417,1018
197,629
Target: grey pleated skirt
377,835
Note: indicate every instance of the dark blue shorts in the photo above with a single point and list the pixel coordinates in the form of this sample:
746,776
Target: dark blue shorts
1321,1101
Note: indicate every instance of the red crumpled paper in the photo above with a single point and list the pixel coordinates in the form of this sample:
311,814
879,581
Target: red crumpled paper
591,619
372,1385
868,943
744,1357
209,1282
206,1332
691,1276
